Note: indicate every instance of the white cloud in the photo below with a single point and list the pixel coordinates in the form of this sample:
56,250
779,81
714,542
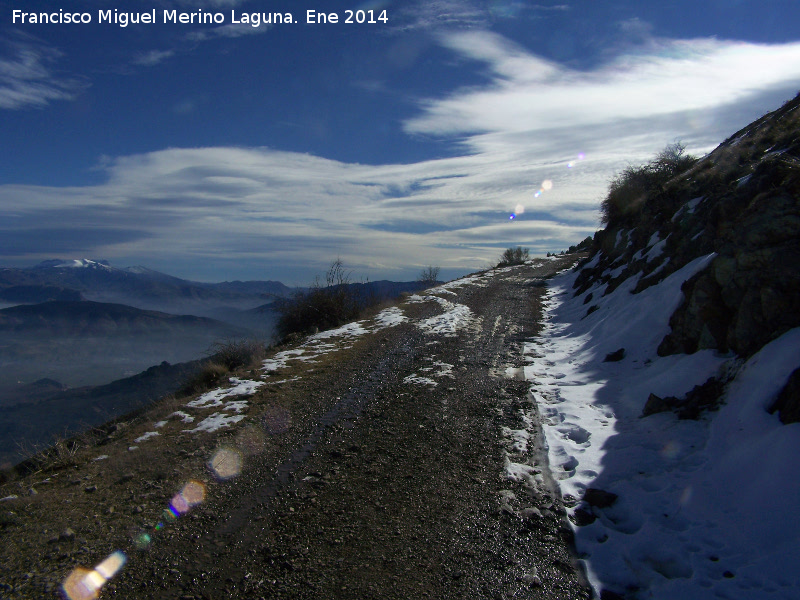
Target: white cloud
440,14
154,57
25,77
531,94
238,207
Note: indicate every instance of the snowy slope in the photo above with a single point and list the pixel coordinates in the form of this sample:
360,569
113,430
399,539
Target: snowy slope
705,508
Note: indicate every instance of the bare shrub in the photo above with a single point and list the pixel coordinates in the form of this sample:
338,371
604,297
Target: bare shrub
429,276
59,454
211,374
235,354
321,307
514,256
629,190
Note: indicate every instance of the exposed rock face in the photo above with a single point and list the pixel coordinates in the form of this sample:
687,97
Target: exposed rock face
750,293
742,202
700,398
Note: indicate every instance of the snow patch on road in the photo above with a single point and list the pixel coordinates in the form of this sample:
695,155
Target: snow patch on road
454,318
214,399
414,378
703,508
216,422
389,317
444,370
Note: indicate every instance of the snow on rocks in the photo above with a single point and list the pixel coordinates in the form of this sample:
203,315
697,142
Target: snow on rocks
185,418
414,378
692,508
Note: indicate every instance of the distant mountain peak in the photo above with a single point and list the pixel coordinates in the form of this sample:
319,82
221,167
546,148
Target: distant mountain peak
74,263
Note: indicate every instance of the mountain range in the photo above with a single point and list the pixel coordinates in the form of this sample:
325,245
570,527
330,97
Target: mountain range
138,286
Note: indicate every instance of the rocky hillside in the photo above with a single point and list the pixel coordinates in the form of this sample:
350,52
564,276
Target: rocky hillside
741,202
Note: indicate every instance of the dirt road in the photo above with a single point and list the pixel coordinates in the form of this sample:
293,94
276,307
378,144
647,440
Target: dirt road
394,465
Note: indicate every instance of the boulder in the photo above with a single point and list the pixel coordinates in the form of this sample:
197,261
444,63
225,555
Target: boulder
788,402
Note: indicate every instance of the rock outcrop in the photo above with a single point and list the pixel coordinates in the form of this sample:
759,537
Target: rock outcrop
741,202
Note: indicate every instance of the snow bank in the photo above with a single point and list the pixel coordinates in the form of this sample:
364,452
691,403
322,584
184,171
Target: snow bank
704,509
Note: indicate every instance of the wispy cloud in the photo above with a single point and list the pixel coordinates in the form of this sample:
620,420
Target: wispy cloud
440,14
26,78
531,94
232,30
153,57
535,120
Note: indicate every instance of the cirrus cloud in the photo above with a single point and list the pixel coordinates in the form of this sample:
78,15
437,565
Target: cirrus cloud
223,211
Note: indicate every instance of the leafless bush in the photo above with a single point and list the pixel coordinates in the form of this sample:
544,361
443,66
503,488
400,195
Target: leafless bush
429,276
321,307
629,190
514,256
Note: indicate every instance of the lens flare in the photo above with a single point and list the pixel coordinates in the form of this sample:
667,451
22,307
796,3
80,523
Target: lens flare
226,463
83,584
251,440
142,541
277,420
547,185
191,495
194,492
671,450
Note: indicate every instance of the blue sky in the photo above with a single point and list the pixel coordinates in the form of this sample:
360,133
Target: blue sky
219,152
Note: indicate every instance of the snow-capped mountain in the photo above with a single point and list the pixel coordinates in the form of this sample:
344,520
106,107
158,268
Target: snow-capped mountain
136,286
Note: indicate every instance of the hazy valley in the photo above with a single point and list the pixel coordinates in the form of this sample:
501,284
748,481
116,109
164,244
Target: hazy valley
68,328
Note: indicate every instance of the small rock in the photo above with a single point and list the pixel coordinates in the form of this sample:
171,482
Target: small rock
655,404
582,517
90,489
506,509
529,513
599,498
615,356
33,492
533,579
67,535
